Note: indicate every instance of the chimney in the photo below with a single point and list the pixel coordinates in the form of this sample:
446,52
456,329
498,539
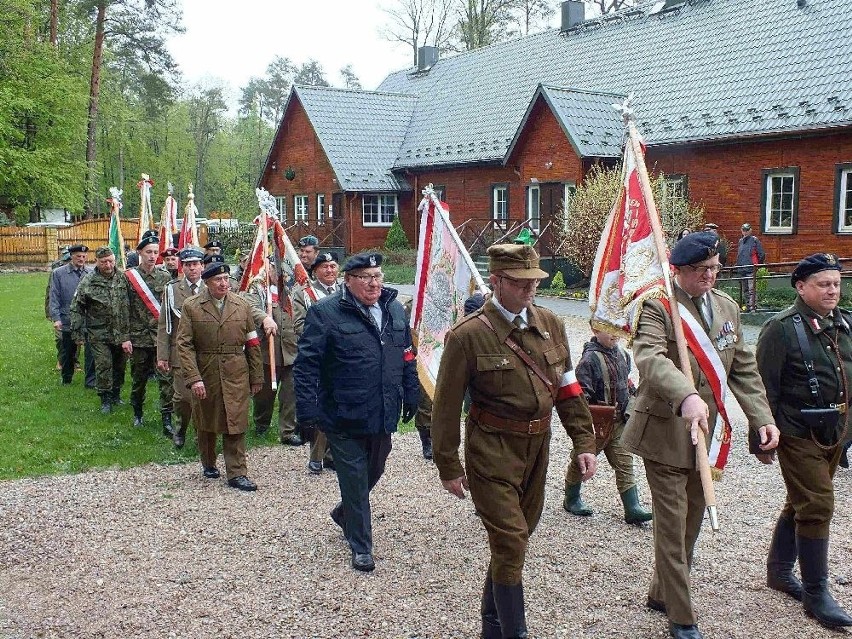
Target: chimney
426,58
573,13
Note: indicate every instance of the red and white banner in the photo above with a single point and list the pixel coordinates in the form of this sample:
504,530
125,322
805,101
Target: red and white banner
188,229
445,277
627,268
144,293
699,344
168,224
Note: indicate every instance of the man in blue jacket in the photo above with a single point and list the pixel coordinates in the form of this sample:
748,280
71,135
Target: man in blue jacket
354,374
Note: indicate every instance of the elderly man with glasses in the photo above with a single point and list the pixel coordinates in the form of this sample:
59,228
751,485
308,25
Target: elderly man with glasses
671,414
355,374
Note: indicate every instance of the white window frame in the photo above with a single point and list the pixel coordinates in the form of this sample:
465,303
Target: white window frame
776,203
386,209
568,190
534,207
281,203
500,204
320,208
844,199
300,208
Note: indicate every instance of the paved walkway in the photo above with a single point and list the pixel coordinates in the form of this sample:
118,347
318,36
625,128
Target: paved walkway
580,308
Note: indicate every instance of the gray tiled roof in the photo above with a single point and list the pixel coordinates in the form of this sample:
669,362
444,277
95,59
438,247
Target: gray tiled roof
712,69
591,124
360,132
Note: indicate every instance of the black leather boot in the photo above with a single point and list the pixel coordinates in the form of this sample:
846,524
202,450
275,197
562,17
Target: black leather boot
137,416
106,403
168,429
426,441
490,620
782,558
817,600
510,610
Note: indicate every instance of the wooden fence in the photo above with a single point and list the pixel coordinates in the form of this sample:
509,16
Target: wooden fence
39,245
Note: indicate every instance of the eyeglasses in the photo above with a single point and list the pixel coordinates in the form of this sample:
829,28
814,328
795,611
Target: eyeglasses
368,279
524,283
705,270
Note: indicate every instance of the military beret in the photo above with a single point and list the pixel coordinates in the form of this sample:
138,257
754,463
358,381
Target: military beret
191,254
213,244
213,259
518,260
150,233
78,248
323,258
215,268
169,252
814,264
308,240
363,260
103,251
147,239
695,247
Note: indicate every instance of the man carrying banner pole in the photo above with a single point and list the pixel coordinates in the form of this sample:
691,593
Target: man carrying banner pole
692,327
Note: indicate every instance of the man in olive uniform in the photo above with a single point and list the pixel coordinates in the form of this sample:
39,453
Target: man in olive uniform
145,285
670,414
323,282
174,295
355,373
814,329
284,342
217,258
513,357
99,316
63,284
219,354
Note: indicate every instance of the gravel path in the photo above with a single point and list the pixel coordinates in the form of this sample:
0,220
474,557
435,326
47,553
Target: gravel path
158,551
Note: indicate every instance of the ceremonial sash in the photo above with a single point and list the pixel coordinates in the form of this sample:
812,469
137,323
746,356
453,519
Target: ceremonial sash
710,363
143,292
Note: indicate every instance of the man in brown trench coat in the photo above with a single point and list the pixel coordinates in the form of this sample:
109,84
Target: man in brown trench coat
670,414
507,435
219,353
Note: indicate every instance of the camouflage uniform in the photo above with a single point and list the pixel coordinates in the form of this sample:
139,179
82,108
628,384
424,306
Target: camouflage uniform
142,334
99,315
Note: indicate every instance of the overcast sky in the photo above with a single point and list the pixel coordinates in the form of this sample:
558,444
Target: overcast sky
236,40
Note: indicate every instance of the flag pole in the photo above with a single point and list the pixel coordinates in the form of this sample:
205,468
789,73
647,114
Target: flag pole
267,275
701,459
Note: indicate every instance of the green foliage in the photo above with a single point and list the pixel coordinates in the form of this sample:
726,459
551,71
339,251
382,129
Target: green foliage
396,240
762,284
558,282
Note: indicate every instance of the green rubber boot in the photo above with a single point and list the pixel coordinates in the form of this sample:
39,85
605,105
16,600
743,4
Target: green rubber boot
573,503
633,511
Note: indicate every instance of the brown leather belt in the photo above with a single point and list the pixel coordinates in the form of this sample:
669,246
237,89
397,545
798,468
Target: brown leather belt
223,350
534,427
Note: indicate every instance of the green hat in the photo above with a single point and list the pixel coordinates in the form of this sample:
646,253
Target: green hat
103,251
525,237
516,260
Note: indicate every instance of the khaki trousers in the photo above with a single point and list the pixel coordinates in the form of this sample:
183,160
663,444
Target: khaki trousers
619,459
506,474
233,450
808,472
678,505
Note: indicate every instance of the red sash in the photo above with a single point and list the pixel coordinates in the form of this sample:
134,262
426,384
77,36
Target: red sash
710,363
143,292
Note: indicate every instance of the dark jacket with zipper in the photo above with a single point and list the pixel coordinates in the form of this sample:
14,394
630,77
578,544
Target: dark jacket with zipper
350,375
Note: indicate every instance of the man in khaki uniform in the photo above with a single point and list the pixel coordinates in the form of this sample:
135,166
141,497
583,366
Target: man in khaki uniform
219,353
175,294
670,411
145,284
808,454
285,355
507,437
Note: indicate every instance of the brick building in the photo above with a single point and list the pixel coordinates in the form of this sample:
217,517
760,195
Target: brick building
745,106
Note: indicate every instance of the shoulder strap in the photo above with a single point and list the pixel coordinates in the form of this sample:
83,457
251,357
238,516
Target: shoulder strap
608,373
526,359
808,357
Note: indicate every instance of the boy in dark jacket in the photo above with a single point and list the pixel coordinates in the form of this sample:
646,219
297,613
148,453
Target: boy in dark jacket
603,373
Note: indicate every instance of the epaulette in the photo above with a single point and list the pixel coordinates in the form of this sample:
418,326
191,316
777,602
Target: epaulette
723,295
174,281
467,318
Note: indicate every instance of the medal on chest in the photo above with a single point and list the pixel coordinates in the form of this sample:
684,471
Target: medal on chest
726,336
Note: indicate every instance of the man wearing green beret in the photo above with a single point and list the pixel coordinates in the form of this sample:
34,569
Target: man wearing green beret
513,358
805,358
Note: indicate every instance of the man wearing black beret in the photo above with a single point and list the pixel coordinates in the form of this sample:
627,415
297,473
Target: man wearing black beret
63,284
213,247
805,358
672,414
355,374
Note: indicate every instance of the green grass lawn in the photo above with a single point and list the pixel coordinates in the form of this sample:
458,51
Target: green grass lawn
47,428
